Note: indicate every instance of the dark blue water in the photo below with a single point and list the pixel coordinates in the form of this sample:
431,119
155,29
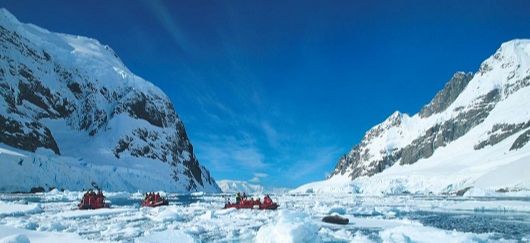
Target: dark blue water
507,225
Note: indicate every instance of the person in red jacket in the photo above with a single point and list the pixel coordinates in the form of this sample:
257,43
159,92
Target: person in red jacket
84,201
99,199
92,199
267,200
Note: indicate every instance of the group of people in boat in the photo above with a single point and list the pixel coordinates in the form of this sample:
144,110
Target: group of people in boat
154,199
243,197
242,201
92,200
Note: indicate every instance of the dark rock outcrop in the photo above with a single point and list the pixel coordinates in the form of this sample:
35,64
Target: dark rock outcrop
26,135
521,141
447,95
440,135
499,132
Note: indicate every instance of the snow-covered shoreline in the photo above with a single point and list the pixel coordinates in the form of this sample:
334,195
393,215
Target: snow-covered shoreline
382,185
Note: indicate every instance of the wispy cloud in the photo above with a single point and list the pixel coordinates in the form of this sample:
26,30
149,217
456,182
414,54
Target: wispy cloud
230,153
168,23
257,177
271,134
314,161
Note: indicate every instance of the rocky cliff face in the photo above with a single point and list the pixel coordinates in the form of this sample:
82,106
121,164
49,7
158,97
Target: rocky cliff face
74,97
463,108
447,95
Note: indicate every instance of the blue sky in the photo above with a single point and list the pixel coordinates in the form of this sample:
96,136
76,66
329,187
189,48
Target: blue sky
275,91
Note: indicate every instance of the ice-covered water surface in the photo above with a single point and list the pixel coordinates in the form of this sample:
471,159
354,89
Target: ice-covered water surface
200,217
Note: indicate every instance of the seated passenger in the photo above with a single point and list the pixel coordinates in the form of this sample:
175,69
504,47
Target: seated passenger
267,200
238,198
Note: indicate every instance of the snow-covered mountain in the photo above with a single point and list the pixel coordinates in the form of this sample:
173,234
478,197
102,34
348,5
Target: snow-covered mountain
232,186
72,114
473,135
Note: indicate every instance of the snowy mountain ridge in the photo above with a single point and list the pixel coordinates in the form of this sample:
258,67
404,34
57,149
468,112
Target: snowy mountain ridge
233,186
472,135
72,114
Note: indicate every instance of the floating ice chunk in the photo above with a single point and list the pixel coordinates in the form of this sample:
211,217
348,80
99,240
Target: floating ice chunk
289,227
112,195
165,214
196,230
15,209
15,239
206,216
11,234
225,211
90,213
428,234
62,196
337,210
167,236
334,236
30,225
52,226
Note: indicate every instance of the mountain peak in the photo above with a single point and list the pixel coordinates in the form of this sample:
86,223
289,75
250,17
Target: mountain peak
516,43
393,120
395,116
73,96
511,54
471,116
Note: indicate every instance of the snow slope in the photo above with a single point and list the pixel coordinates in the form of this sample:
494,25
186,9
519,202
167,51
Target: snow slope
473,134
72,113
